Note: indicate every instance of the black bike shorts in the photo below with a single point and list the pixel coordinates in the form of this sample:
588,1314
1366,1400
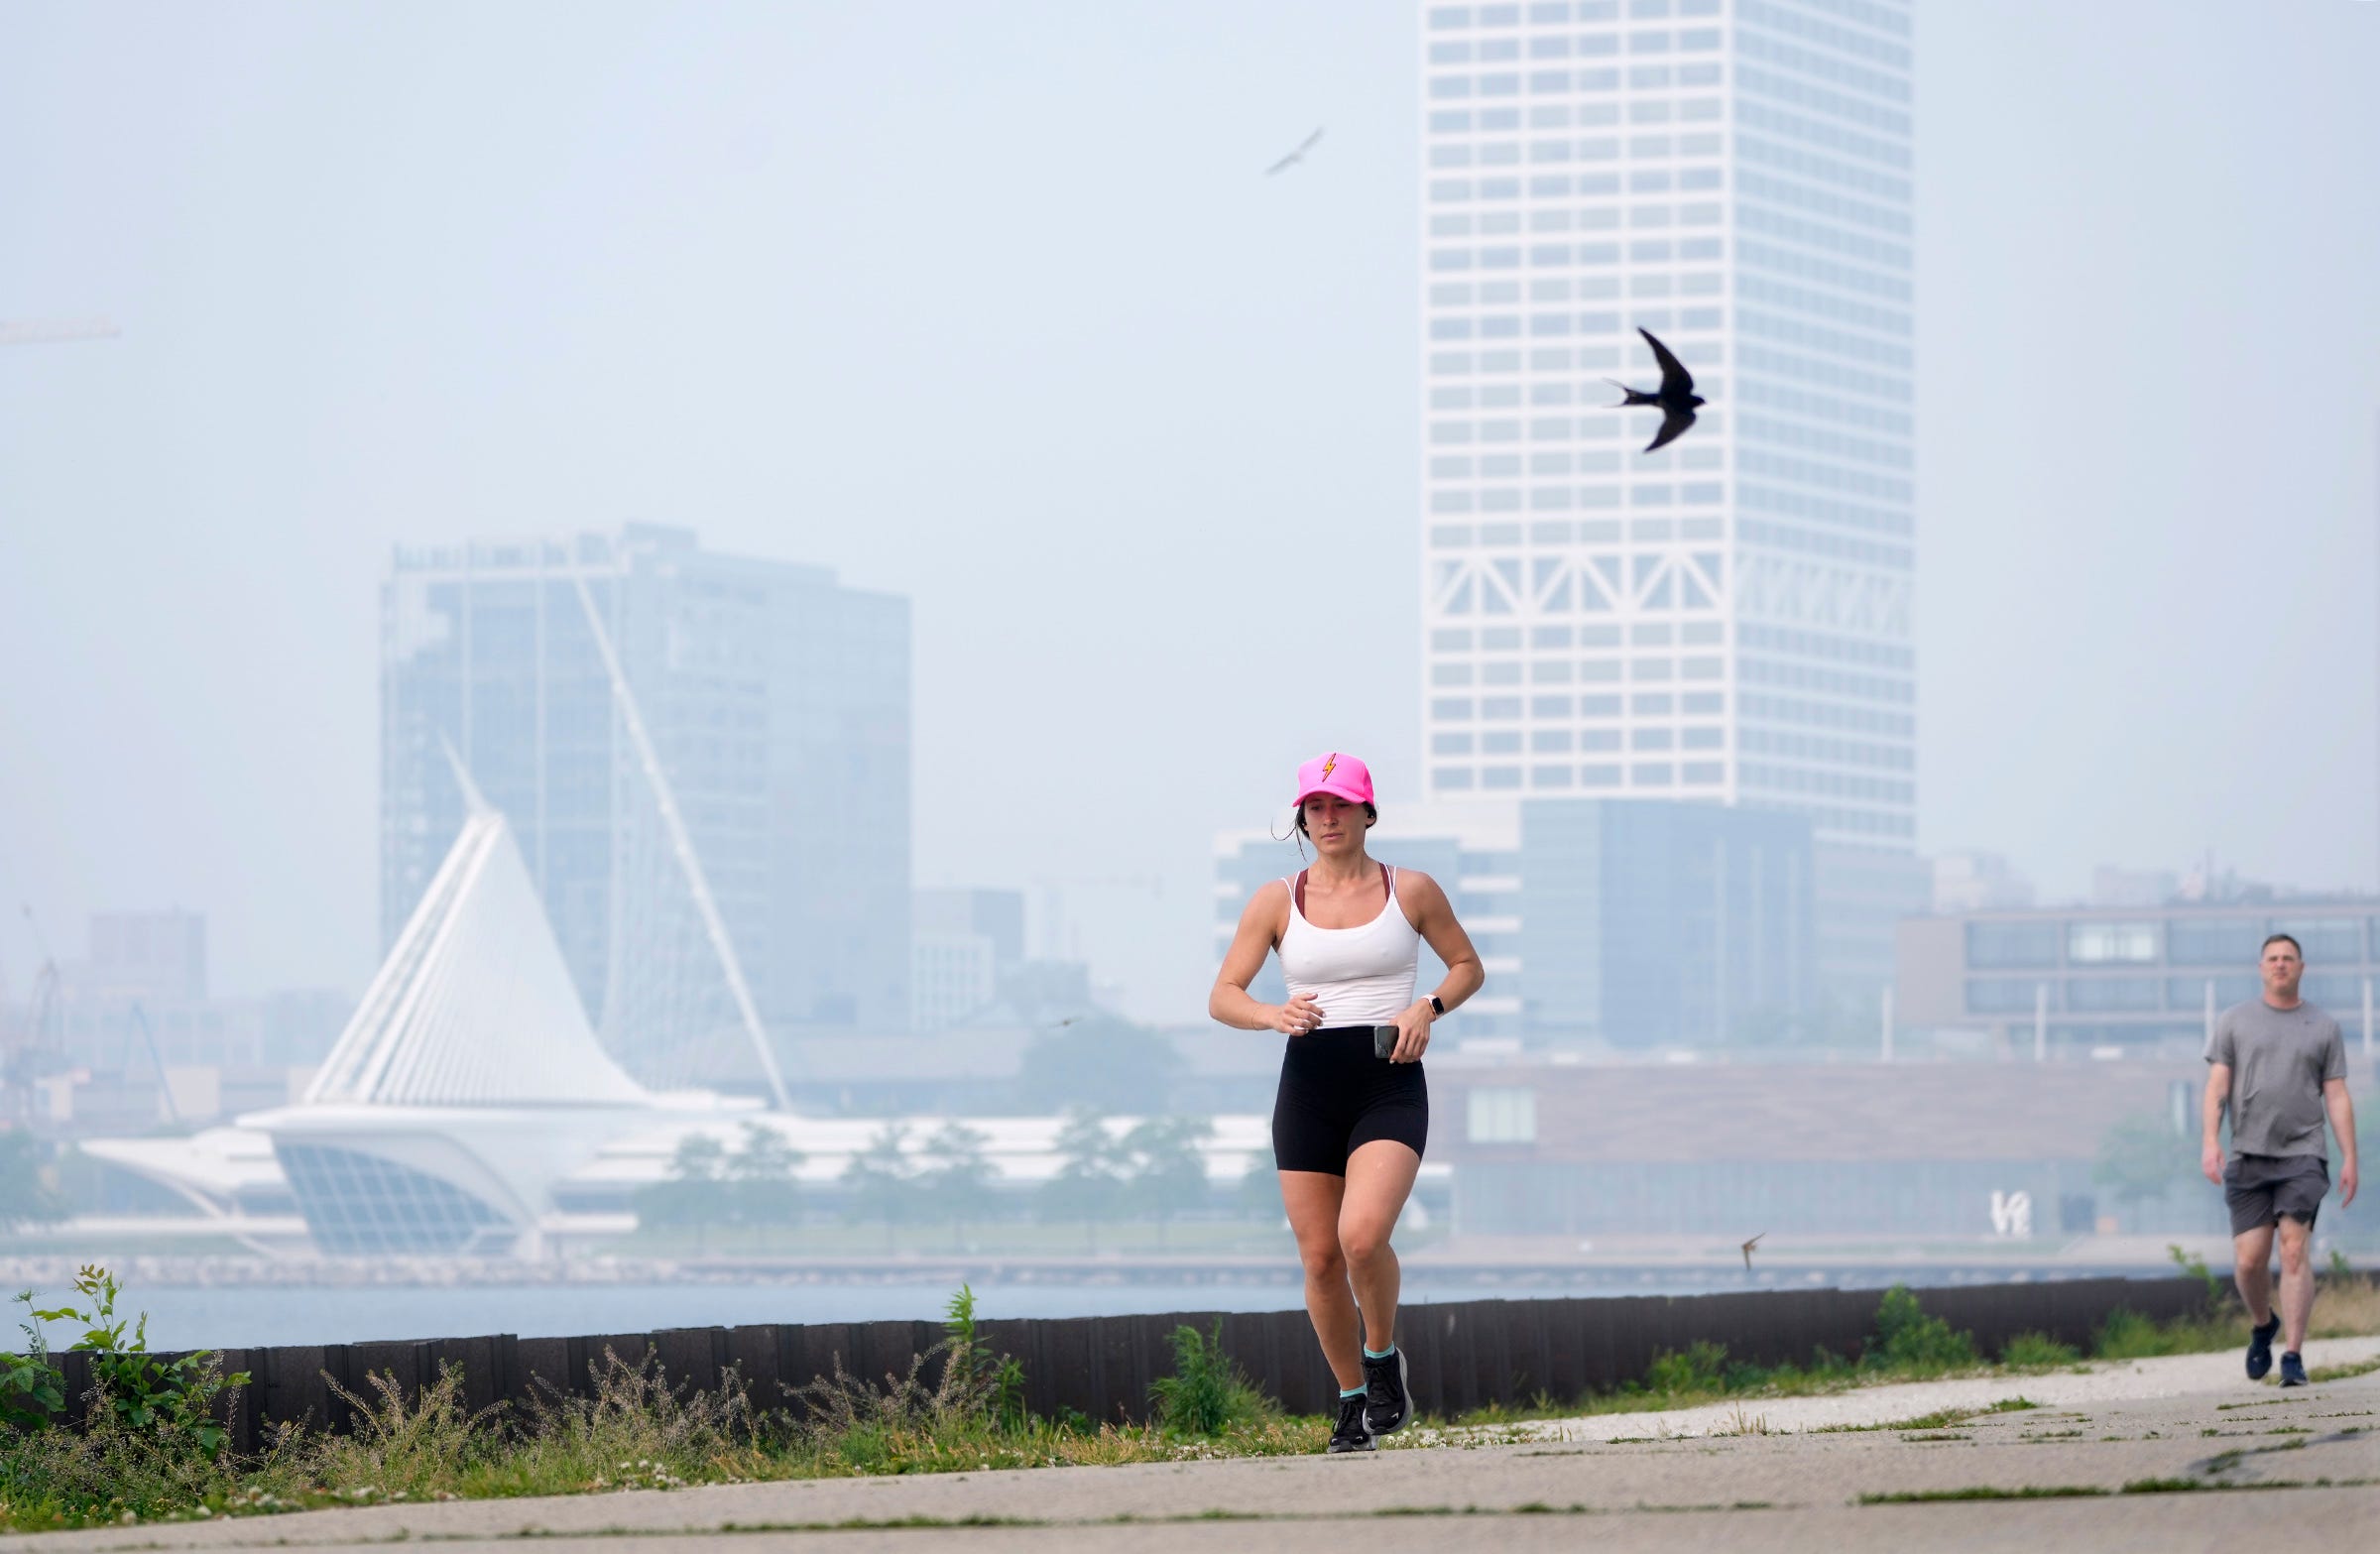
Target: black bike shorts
1336,1096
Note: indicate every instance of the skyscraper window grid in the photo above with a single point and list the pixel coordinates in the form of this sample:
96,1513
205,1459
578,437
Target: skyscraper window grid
1727,619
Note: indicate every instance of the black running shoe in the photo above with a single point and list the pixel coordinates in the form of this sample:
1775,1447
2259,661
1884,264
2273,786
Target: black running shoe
1386,1405
1351,1433
2292,1370
2260,1347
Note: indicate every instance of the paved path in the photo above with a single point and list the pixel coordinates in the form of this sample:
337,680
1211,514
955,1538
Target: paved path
2122,1443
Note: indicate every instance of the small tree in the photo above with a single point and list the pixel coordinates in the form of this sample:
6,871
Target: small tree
760,1177
1101,1062
958,1175
1090,1183
692,1192
2142,1157
1258,1195
883,1181
1169,1168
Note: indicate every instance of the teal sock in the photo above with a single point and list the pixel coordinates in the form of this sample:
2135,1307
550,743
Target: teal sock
1380,1354
1353,1391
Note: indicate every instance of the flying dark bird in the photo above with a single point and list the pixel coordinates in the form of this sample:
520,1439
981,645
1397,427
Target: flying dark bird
1676,398
1295,157
1755,1240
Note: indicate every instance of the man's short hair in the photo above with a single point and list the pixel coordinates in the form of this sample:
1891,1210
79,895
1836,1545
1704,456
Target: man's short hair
2281,938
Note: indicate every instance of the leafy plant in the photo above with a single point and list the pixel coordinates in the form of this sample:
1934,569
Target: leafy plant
145,1392
1207,1394
997,1379
1907,1339
32,1392
1700,1367
2195,1265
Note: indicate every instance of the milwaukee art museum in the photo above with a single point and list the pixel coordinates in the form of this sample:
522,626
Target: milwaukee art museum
469,1110
466,1086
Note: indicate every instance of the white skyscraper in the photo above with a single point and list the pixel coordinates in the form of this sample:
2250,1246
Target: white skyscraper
1726,619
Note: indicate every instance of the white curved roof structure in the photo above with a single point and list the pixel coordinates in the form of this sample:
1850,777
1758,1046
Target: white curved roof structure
474,1005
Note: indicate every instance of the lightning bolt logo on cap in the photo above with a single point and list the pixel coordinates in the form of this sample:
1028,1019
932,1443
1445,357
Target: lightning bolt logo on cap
1338,773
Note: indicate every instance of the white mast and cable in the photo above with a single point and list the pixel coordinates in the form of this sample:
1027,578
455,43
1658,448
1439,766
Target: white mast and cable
683,845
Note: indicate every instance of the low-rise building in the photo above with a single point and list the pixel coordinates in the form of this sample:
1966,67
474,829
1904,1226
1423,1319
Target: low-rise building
2085,977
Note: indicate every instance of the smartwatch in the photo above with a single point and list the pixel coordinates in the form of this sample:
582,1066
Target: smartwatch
1437,1005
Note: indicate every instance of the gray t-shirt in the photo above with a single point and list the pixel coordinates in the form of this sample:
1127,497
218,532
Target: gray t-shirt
2279,1060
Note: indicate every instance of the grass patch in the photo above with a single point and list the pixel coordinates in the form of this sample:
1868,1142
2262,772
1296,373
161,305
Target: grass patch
2037,1352
1939,1419
2343,1372
1981,1492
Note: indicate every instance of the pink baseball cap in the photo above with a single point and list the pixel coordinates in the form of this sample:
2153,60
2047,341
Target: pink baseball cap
1336,773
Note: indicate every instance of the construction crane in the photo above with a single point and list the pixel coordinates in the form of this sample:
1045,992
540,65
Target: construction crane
47,332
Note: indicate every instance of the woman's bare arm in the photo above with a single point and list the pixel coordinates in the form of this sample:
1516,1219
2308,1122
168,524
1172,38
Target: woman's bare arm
1260,925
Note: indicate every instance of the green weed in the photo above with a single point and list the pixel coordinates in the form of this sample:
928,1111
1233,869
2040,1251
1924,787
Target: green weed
1911,1343
2037,1352
1206,1394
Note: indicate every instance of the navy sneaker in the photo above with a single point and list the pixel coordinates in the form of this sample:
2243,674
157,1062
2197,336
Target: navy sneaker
1351,1433
2293,1369
1386,1404
2260,1347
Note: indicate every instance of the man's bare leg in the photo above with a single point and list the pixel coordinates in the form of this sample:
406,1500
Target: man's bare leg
2252,1254
2297,1283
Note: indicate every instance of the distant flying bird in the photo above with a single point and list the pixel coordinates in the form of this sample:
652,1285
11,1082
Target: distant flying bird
1676,398
1755,1240
1295,157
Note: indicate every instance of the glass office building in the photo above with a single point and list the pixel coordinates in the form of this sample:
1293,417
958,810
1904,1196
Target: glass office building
777,702
1729,619
1628,925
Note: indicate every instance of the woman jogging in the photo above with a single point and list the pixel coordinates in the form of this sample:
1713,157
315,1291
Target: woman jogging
1353,1113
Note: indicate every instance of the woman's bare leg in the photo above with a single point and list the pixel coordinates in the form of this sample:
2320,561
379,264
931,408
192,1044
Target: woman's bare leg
1379,1178
1313,1199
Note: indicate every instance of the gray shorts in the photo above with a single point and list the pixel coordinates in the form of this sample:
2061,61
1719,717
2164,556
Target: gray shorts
2260,1188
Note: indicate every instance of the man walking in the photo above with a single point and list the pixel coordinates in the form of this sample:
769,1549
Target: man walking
2280,1063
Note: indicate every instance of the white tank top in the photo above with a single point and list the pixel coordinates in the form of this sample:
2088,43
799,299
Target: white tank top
1362,976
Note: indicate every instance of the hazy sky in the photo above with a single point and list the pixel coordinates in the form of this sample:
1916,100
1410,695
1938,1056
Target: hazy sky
992,306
